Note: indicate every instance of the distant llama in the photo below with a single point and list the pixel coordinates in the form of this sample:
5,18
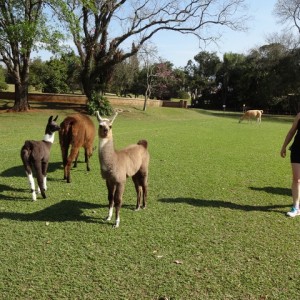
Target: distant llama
254,113
36,154
77,131
116,166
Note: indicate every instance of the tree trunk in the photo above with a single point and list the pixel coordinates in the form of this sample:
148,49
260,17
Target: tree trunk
21,98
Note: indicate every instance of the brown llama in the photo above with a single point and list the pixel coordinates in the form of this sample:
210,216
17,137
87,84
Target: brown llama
253,113
77,131
36,154
116,166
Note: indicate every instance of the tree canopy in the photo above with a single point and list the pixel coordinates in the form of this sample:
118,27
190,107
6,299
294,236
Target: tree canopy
106,33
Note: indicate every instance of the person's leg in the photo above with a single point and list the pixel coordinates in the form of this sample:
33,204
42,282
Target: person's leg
295,190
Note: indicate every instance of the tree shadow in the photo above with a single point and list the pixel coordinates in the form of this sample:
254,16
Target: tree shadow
66,210
224,204
273,190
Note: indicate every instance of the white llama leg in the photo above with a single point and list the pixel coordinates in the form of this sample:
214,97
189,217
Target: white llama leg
45,183
117,223
32,185
110,213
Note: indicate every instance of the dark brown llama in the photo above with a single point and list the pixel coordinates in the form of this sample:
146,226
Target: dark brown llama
36,154
116,166
77,131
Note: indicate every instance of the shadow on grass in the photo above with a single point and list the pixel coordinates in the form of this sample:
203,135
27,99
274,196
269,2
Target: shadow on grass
19,171
272,190
224,204
39,105
66,210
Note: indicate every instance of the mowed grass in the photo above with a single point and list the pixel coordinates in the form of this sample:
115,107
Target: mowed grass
215,225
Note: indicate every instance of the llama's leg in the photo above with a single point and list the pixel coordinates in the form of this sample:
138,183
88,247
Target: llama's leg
39,175
118,201
64,153
145,190
111,191
86,159
31,184
75,161
138,189
44,172
71,158
88,153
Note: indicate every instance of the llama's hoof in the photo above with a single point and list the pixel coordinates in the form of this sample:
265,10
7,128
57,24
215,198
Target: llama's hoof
116,225
137,209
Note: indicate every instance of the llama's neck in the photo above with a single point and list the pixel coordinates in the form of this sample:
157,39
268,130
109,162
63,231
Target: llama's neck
106,154
106,147
49,138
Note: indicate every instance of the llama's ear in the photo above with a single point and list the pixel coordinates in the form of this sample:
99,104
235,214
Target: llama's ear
113,118
98,117
50,119
55,118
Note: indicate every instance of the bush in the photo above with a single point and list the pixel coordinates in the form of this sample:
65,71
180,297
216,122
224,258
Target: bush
183,95
99,103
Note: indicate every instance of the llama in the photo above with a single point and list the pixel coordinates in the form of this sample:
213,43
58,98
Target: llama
116,166
36,154
255,113
77,130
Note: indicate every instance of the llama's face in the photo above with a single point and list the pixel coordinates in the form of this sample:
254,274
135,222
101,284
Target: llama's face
105,126
104,130
52,126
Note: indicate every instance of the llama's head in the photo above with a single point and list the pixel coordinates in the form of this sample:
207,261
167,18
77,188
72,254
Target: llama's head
52,126
105,126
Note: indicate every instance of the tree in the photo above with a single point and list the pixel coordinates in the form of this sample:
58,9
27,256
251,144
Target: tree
3,84
22,28
288,11
106,33
201,73
124,75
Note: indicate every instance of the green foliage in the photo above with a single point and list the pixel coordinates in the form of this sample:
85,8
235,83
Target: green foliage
99,103
215,225
3,84
183,95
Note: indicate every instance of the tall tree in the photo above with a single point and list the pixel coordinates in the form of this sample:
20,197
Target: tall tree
106,33
288,11
22,27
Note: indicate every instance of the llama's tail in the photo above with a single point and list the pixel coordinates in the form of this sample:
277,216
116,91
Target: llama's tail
143,143
25,156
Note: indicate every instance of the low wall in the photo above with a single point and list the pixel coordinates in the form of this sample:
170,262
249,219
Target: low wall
178,104
82,99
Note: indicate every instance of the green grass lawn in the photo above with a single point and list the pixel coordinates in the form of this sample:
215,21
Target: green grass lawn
215,226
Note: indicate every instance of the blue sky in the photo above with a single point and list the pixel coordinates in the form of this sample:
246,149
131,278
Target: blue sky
179,48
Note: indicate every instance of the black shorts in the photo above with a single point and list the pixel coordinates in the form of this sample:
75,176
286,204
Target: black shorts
295,157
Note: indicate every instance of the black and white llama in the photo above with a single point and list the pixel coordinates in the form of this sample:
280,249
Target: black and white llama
36,154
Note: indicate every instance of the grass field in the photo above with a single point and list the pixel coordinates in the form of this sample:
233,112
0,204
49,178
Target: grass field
215,226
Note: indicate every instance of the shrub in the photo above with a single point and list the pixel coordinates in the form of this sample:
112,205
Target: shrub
99,103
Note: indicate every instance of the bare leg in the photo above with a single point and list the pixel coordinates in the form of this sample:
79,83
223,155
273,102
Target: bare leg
296,185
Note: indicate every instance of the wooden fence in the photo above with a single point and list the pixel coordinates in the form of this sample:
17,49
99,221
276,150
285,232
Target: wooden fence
82,99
